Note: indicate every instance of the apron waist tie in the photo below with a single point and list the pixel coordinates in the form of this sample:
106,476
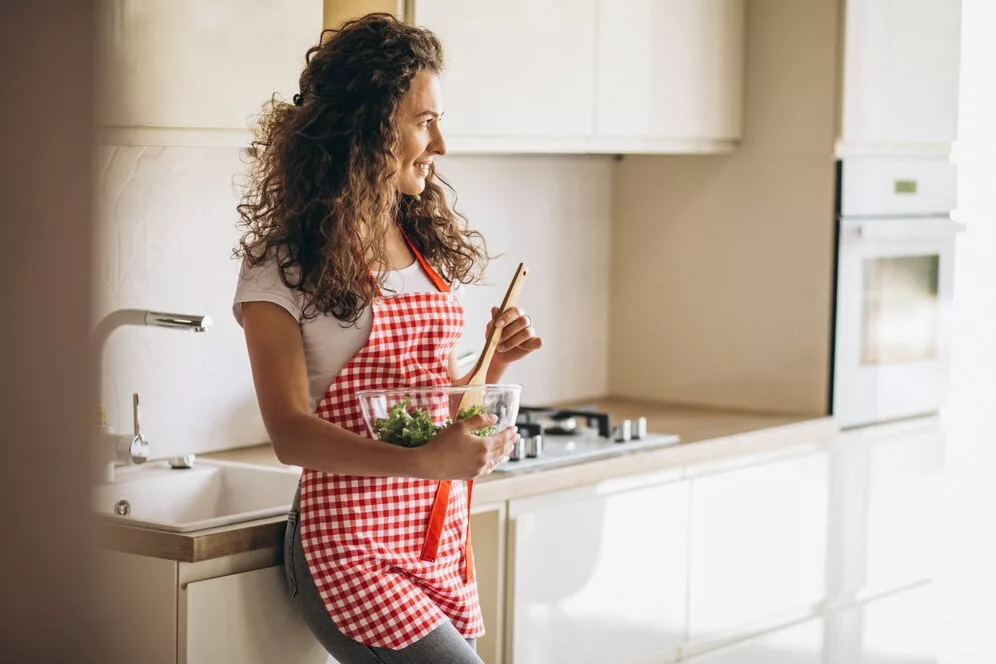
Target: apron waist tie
434,532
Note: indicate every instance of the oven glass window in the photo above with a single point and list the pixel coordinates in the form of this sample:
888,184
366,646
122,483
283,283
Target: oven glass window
901,314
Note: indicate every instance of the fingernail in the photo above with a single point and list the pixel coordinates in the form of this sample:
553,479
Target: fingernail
501,348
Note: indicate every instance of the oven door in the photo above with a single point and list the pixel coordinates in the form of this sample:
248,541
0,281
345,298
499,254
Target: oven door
893,318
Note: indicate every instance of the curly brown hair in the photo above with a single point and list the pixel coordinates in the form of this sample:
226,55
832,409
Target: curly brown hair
323,193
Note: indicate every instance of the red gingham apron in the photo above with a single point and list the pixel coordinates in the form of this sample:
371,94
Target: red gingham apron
389,567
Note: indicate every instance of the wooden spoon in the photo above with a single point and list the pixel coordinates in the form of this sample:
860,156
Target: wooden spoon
480,373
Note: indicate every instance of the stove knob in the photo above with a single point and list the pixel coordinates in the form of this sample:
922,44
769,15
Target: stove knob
624,431
517,449
534,446
640,429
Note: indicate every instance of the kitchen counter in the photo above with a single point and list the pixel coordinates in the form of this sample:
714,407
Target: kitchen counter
707,436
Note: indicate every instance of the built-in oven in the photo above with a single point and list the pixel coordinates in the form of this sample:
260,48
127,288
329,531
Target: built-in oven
894,288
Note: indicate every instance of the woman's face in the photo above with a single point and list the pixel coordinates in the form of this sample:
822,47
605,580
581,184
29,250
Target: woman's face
418,124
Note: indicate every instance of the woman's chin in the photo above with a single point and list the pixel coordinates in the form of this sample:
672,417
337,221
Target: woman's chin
412,186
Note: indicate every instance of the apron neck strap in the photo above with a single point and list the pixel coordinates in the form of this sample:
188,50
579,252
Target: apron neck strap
431,273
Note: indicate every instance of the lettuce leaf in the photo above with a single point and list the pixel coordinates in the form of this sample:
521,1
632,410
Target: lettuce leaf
414,427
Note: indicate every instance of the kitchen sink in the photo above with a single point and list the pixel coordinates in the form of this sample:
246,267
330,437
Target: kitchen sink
210,494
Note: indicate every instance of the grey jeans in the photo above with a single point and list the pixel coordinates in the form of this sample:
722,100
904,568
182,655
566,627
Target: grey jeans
443,645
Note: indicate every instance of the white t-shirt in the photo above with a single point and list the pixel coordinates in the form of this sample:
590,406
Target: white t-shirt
328,345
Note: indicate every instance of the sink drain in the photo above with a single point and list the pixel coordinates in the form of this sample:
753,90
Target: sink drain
122,507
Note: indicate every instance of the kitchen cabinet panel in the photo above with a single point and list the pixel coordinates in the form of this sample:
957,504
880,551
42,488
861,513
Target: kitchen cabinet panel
519,73
758,544
488,526
889,484
798,644
904,627
669,71
247,618
191,72
903,511
599,577
901,76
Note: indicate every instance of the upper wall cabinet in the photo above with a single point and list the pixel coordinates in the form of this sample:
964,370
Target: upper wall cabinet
670,75
188,72
615,76
520,74
900,82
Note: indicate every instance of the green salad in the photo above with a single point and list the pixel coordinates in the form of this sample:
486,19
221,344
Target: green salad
413,427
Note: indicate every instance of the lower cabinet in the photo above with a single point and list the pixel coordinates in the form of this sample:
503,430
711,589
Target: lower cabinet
797,644
247,618
886,500
236,609
758,545
905,473
903,628
599,574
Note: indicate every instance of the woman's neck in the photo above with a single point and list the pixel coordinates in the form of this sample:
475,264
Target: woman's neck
397,253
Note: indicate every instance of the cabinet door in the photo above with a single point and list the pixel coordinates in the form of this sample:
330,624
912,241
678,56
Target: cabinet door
246,618
519,73
887,533
188,64
599,577
799,644
904,627
901,71
670,74
488,526
904,529
758,544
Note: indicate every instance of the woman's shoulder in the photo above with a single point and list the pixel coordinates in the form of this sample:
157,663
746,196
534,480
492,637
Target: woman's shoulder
264,281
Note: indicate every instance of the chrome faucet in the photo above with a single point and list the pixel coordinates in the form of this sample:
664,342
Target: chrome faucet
126,449
112,448
178,321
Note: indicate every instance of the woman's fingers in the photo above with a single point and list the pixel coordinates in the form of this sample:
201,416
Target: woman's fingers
524,340
504,439
516,330
502,444
479,421
508,318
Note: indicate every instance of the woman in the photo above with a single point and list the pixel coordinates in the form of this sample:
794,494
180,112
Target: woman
349,253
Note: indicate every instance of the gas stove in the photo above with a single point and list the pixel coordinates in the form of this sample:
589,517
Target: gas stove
555,437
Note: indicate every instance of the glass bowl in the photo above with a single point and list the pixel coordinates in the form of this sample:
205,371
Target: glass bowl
409,416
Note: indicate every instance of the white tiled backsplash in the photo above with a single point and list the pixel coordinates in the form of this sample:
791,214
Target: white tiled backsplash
167,229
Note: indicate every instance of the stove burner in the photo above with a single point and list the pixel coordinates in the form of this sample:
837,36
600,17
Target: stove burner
564,425
564,418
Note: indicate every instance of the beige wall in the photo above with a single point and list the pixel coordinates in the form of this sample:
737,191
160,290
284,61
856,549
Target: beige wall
337,11
722,266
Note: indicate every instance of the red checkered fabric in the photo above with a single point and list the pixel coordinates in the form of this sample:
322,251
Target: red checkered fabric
362,536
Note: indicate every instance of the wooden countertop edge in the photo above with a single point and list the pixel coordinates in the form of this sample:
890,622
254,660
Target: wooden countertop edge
192,547
267,533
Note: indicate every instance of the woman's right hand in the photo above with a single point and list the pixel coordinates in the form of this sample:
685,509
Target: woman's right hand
457,454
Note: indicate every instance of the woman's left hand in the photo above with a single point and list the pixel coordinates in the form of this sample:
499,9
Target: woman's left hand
518,338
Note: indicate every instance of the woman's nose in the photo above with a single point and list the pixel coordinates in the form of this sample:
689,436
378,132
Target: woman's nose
438,144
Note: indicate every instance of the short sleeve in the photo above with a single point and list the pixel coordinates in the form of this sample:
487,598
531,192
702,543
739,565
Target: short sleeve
262,283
